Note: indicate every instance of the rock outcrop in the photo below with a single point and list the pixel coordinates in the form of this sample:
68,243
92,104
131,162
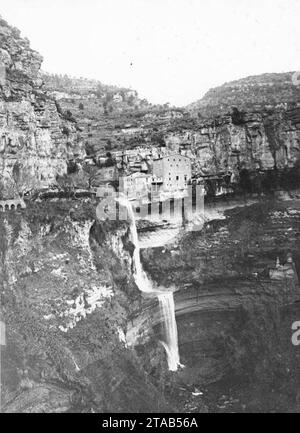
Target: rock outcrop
36,143
234,320
79,334
225,133
257,141
66,298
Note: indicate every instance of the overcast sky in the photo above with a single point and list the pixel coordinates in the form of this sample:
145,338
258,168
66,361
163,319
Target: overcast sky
168,50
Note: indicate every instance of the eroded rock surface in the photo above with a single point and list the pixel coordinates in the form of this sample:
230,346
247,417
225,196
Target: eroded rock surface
67,295
36,143
234,320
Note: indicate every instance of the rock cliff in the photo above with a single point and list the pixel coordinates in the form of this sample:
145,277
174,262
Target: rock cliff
256,142
79,334
234,320
227,133
36,143
67,295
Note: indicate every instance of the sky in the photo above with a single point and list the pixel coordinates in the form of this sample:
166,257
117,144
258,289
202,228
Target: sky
168,50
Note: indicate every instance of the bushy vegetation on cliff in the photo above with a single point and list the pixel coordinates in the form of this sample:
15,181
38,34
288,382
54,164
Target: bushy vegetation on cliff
254,93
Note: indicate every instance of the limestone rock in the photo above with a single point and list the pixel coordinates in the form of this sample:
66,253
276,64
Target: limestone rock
33,146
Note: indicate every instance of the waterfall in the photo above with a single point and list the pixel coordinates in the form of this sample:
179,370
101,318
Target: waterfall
165,298
166,302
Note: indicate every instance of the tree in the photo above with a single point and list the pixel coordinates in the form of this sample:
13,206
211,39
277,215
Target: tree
130,100
1,190
108,145
23,179
237,116
105,108
89,148
69,182
68,115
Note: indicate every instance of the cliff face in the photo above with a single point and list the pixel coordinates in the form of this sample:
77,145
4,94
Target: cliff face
251,141
35,141
66,299
257,141
234,320
79,334
251,124
80,337
217,137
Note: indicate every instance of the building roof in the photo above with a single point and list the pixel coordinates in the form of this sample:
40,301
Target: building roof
139,174
171,156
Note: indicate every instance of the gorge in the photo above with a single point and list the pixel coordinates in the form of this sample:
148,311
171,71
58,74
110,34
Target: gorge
86,303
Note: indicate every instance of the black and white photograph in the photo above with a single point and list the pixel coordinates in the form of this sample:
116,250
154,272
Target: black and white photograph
149,209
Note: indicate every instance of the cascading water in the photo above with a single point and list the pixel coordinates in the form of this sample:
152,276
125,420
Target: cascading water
165,298
166,302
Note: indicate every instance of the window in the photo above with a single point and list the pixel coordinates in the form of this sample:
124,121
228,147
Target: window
177,177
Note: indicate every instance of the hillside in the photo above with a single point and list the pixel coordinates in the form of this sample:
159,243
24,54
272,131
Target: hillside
98,109
254,93
61,119
81,333
260,134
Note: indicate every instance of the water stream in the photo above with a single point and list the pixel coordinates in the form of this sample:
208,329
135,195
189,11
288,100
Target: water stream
165,297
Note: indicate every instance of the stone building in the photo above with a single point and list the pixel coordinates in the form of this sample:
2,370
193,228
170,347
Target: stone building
104,175
286,271
136,186
174,170
105,190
